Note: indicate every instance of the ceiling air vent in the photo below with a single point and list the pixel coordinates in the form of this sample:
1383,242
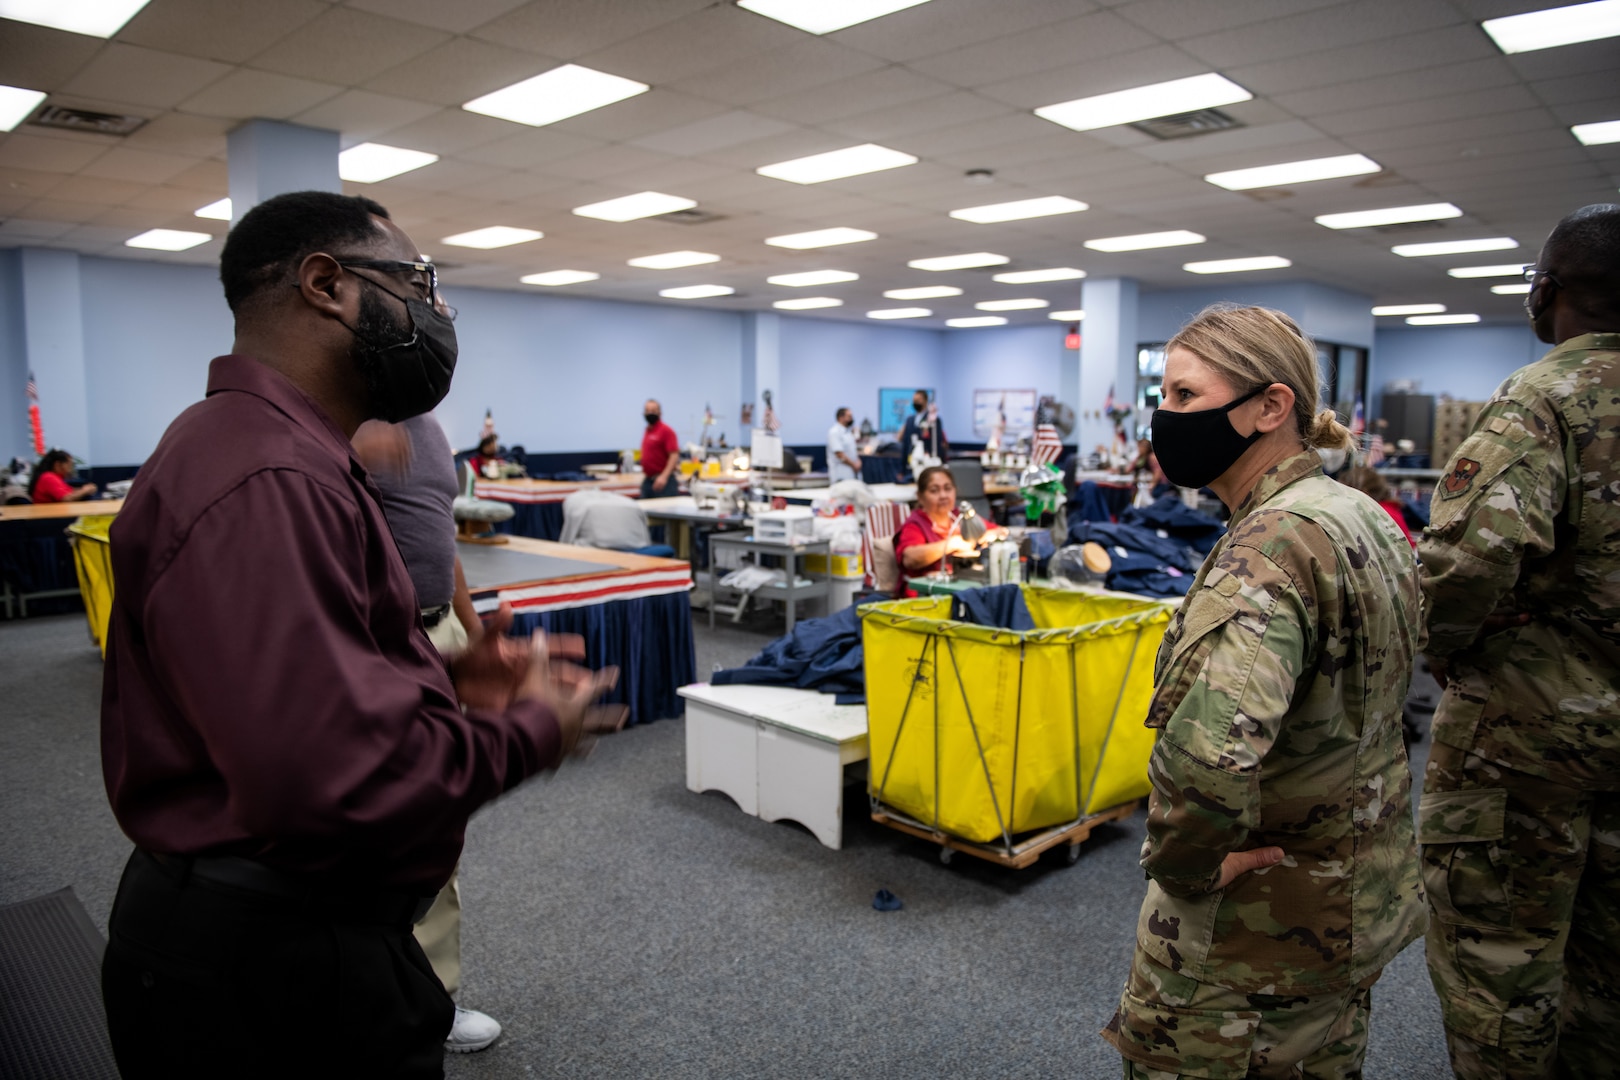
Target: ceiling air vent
1182,125
99,123
693,216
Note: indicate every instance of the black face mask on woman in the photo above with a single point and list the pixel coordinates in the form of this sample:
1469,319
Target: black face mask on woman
1195,448
404,378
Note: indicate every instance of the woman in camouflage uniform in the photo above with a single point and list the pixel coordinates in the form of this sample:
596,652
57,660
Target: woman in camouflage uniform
1283,873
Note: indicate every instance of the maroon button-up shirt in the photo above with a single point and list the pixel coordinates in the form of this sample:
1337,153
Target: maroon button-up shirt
269,691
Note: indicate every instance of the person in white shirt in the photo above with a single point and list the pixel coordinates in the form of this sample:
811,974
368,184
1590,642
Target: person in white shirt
843,456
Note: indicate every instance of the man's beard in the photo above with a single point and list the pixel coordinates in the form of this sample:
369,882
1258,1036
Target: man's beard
375,330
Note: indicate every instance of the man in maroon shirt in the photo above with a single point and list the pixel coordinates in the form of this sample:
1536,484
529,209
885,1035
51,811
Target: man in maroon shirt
291,757
660,453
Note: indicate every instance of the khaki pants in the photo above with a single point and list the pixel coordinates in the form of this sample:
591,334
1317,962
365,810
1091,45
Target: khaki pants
439,932
1523,879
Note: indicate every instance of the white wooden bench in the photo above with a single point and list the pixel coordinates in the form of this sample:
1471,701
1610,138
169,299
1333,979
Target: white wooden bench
776,751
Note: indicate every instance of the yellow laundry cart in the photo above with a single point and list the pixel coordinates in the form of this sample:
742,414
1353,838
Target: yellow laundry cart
93,560
1003,743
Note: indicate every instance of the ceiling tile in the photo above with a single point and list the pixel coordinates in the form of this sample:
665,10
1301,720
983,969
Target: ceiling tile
1600,58
451,131
1495,129
685,47
207,176
28,229
572,28
1067,45
182,133
245,94
169,198
533,148
977,138
646,114
105,191
883,88
362,115
39,58
348,45
1429,48
63,211
943,25
215,31
1400,87
141,166
900,121
20,150
458,18
1100,76
609,161
458,71
798,67
1308,32
1384,118
144,76
1174,20
1573,89
713,133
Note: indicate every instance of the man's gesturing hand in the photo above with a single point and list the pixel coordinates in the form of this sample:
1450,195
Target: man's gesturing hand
570,691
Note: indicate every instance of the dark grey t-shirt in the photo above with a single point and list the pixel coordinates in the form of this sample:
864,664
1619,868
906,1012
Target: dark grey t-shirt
417,505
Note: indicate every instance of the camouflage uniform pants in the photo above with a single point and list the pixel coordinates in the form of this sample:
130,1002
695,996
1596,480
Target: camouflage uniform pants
1523,878
1170,1026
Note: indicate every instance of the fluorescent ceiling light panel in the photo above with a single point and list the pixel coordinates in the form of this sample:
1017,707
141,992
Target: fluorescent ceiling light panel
900,313
1144,241
813,277
978,320
1555,26
556,95
1521,289
1045,206
821,238
1455,247
631,207
1392,215
673,260
15,105
959,262
218,210
1031,277
1145,102
493,236
825,16
1294,172
95,18
926,292
1606,131
553,278
1408,309
1502,270
1237,266
697,292
1023,303
808,302
1441,320
837,164
1076,315
370,162
168,239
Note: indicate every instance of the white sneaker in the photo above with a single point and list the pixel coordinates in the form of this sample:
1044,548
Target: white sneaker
472,1031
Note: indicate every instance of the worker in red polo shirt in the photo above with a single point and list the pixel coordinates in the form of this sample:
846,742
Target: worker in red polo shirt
660,453
49,482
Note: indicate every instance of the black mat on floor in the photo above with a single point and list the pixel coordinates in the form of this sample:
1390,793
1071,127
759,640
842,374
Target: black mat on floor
51,1020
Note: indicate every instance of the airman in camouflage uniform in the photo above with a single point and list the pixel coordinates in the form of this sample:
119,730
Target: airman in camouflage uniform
1520,815
1278,691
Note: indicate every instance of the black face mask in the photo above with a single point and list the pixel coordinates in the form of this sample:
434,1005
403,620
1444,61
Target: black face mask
403,378
918,406
1195,448
651,418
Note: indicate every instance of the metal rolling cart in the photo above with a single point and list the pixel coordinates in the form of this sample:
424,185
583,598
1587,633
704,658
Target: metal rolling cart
791,591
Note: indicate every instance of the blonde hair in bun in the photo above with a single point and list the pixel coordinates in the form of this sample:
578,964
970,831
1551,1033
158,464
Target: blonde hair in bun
1256,346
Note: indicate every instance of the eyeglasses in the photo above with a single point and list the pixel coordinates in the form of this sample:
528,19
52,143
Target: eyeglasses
429,287
1532,271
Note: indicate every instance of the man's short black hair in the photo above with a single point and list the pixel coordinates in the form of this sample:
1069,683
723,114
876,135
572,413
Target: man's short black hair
267,245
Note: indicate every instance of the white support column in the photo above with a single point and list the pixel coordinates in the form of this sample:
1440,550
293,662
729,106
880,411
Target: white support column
1107,356
53,337
266,158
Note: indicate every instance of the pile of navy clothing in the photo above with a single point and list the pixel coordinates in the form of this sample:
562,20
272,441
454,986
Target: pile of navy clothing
1156,549
826,654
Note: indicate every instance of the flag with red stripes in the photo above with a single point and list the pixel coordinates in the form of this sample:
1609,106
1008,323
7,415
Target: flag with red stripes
1046,447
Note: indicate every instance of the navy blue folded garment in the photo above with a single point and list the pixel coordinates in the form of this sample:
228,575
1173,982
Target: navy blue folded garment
1416,514
1099,502
1143,561
1001,606
1178,519
819,654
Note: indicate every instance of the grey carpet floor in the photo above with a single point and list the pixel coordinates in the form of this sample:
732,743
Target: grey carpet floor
621,926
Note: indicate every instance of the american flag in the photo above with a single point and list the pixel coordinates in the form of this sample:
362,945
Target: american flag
771,423
32,390
1046,447
1358,420
489,425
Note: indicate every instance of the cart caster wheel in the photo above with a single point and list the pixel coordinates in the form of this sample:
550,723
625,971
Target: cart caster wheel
945,855
1072,855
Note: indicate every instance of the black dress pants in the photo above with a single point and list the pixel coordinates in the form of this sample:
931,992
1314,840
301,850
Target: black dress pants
205,980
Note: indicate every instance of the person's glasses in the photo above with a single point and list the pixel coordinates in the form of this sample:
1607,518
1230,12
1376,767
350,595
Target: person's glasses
422,275
1532,271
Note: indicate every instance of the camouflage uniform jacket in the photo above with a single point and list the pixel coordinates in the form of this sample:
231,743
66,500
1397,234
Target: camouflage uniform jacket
1527,520
1279,689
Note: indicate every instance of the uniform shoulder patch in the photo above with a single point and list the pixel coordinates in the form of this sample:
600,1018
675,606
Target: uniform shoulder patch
1460,479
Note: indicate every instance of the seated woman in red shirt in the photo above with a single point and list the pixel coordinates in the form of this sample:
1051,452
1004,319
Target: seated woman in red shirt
49,482
927,535
1370,482
487,461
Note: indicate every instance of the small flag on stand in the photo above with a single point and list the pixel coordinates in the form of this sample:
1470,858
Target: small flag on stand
36,426
1046,447
489,425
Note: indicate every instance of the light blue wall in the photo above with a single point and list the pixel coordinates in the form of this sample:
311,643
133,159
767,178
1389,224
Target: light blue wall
14,440
1012,358
564,373
827,364
150,330
1334,315
1467,362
